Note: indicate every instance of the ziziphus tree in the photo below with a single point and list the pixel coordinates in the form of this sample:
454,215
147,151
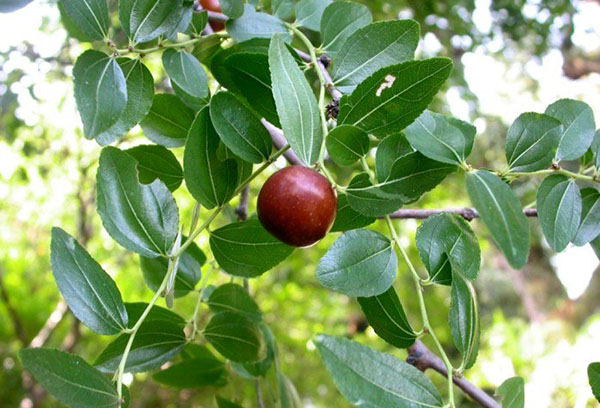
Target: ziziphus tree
373,98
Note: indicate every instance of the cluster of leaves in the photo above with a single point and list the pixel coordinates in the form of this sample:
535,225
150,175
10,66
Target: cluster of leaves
383,108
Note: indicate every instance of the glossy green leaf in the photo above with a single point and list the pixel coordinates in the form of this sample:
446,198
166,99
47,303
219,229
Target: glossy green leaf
207,47
246,249
140,94
340,20
234,298
168,121
386,315
211,181
532,141
198,371
90,292
188,271
284,9
235,337
596,149
198,23
413,175
464,319
157,314
296,103
347,218
155,343
253,24
90,16
239,128
445,240
347,144
145,20
310,12
370,200
259,368
375,46
70,379
223,403
393,97
501,213
512,392
441,138
366,377
594,379
360,263
186,72
157,162
559,210
391,149
589,227
142,218
579,127
232,8
100,92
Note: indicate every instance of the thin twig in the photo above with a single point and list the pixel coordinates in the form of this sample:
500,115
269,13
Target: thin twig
280,142
422,358
242,208
467,213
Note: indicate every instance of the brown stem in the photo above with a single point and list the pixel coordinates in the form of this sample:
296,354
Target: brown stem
467,213
279,142
422,358
242,208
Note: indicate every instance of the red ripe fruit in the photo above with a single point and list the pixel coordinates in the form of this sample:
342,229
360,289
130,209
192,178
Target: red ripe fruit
297,205
213,5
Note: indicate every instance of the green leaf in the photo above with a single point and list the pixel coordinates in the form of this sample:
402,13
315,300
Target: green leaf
441,138
375,46
235,337
188,271
211,181
70,379
8,6
393,97
145,20
340,20
579,128
198,371
100,92
532,141
168,121
360,263
512,392
72,29
155,343
232,8
157,314
90,16
253,24
156,162
284,9
223,403
140,93
444,241
386,315
369,200
296,103
413,175
559,210
594,378
288,395
391,149
239,129
347,218
142,218
347,144
234,298
596,149
207,47
310,12
464,318
366,377
259,368
589,227
186,73
595,244
198,23
246,249
223,74
90,292
501,212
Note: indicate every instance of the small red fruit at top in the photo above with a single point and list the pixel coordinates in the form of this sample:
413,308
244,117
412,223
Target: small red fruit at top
297,205
213,5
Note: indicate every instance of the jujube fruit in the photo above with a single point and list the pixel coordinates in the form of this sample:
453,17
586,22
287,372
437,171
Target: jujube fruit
297,205
213,5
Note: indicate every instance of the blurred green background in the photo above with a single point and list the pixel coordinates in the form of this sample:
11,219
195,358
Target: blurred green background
542,323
